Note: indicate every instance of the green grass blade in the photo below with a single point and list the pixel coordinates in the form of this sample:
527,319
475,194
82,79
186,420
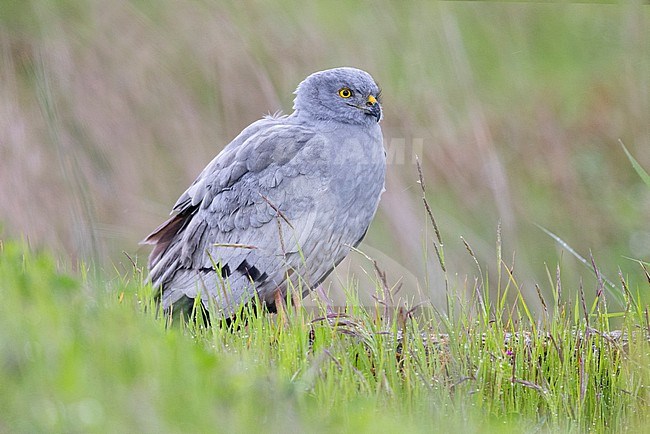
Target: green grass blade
609,286
635,164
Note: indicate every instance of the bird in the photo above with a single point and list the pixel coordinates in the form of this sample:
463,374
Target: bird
280,206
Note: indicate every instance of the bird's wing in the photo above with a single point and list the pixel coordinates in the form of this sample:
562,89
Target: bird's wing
244,219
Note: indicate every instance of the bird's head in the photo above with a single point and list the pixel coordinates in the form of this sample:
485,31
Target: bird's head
345,95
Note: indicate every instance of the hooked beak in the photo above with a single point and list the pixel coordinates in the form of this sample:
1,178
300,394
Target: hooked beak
373,108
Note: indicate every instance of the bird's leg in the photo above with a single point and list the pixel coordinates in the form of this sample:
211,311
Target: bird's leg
296,300
280,306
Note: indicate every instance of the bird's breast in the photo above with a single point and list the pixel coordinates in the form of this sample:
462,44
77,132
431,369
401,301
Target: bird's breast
357,170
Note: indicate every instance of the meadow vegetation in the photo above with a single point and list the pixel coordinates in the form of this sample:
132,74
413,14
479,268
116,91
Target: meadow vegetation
524,310
78,356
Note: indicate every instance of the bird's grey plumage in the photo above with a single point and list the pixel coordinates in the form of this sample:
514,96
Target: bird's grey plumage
282,204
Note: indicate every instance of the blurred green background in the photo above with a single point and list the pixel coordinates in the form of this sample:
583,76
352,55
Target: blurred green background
108,110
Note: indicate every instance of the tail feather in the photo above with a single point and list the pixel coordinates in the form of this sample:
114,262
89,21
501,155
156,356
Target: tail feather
164,234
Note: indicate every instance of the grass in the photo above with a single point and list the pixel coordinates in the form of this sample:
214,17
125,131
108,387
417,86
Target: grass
78,357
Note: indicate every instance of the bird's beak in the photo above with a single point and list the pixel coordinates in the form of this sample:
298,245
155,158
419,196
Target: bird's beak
373,108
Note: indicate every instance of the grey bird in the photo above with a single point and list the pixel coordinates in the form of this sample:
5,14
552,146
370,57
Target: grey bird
281,205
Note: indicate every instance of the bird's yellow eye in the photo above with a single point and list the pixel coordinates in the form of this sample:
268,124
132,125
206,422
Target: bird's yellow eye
345,92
